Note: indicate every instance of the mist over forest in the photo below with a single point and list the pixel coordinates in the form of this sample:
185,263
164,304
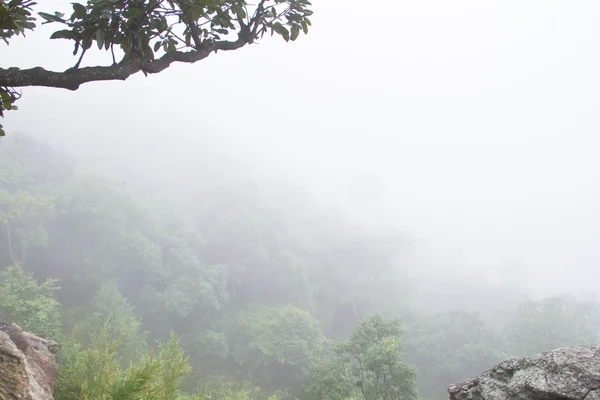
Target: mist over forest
268,211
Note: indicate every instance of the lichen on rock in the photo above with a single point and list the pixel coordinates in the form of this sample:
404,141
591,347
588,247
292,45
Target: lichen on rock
571,373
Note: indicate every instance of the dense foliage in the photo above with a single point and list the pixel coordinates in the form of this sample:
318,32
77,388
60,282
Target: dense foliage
369,365
97,371
249,299
144,35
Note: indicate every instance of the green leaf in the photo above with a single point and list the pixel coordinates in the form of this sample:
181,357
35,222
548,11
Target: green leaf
50,17
239,11
126,45
295,32
4,96
197,12
171,47
133,13
148,52
100,38
294,17
8,23
64,34
86,44
282,30
79,10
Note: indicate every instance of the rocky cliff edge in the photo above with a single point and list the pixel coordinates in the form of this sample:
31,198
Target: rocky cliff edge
28,369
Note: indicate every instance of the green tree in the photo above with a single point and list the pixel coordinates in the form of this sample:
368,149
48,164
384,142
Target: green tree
551,323
274,344
147,35
246,279
96,372
449,347
110,308
23,220
30,304
369,364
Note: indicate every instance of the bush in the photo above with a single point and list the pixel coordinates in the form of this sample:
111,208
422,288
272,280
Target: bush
32,305
96,372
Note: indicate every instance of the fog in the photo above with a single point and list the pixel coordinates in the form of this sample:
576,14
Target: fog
471,124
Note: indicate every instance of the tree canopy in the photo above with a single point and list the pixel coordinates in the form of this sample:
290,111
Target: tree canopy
268,298
369,365
144,35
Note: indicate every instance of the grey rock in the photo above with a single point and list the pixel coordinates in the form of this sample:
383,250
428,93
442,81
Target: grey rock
562,374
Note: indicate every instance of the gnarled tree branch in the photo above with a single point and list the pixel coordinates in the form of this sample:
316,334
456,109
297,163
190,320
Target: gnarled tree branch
187,31
72,79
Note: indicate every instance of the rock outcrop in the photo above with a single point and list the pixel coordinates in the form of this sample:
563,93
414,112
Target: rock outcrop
28,369
563,374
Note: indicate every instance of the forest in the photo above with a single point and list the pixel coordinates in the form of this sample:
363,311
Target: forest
231,292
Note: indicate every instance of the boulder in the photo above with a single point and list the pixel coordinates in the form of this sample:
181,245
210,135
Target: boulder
563,374
28,369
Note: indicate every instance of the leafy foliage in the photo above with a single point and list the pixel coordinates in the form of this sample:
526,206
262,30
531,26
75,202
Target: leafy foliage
30,304
370,363
15,18
96,372
553,323
228,392
254,286
248,298
287,334
111,312
23,217
449,347
164,31
149,26
274,343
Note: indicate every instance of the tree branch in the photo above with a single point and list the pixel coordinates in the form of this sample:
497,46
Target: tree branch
72,79
191,25
11,254
362,380
260,10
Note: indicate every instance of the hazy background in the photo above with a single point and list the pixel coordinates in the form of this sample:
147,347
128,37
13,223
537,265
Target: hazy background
472,124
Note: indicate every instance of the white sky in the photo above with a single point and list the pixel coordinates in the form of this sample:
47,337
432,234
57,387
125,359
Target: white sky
471,123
